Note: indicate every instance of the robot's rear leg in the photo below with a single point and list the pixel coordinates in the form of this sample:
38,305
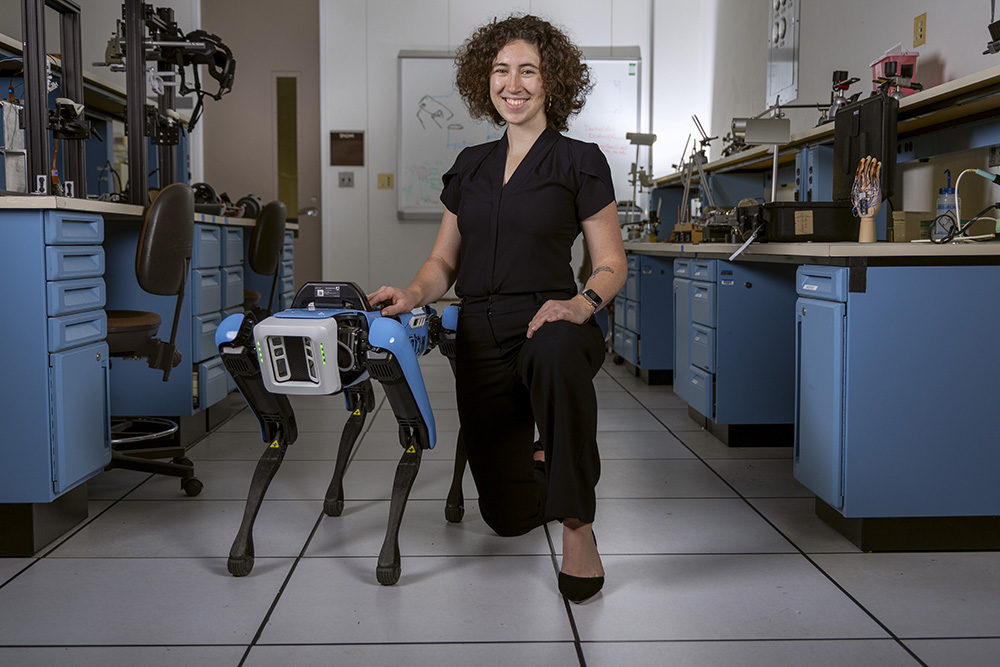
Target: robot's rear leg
388,569
360,401
454,508
241,555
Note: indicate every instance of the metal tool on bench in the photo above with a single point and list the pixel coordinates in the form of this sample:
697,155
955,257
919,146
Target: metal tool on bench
332,341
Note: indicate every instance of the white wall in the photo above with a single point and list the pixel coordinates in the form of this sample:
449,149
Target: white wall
683,59
362,239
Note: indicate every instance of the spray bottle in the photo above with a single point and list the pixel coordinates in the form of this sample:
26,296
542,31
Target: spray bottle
946,220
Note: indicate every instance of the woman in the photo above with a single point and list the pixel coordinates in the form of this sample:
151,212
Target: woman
527,345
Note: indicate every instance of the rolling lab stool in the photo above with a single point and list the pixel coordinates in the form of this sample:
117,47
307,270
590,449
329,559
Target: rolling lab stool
162,263
264,253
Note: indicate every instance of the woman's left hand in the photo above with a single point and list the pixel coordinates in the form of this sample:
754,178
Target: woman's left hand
575,310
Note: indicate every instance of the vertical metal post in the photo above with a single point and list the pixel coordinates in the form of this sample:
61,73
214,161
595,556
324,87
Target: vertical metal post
166,155
774,174
36,104
74,156
135,94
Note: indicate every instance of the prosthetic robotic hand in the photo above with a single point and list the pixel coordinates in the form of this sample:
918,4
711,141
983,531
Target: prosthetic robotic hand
331,341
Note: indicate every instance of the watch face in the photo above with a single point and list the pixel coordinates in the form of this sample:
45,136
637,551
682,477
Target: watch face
593,297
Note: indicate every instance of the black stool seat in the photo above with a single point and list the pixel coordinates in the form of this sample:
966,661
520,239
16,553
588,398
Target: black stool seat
130,330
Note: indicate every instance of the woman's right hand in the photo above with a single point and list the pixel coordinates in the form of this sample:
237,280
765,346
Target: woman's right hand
393,300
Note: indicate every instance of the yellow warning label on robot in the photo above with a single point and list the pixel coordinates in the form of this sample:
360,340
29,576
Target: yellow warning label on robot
274,444
357,412
411,450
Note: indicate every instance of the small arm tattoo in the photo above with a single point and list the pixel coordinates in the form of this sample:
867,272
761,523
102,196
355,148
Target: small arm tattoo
602,268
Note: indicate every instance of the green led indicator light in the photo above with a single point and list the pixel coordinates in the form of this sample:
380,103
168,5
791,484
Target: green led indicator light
322,353
260,353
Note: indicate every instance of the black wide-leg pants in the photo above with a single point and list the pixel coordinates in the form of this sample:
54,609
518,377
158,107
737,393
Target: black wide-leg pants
506,384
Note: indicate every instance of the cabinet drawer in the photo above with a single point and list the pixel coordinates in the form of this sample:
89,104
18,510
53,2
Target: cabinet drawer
70,262
232,246
289,237
699,391
618,341
286,268
703,347
632,316
235,310
632,285
620,308
704,269
72,228
287,252
206,291
286,284
633,261
212,383
232,281
703,303
682,268
207,249
72,296
204,335
68,331
630,346
285,301
829,283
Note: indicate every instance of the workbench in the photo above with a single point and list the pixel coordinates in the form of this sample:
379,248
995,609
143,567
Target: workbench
883,359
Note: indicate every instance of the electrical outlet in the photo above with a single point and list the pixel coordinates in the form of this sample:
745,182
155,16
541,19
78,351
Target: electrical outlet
345,179
385,181
920,30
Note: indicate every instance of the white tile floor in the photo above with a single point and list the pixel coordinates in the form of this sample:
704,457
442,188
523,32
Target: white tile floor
714,556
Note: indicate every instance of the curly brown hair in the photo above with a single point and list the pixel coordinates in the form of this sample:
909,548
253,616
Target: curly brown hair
565,77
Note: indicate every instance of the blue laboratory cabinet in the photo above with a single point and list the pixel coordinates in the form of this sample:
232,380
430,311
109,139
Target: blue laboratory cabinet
643,317
55,395
734,333
895,413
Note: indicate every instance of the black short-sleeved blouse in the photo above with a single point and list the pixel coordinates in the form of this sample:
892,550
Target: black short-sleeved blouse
518,238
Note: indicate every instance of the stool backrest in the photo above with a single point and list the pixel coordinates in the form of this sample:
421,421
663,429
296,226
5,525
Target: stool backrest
266,242
163,258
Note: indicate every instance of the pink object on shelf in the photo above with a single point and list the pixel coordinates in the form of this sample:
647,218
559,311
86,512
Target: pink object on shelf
905,63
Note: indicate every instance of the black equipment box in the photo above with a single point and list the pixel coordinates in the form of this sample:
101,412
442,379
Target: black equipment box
795,221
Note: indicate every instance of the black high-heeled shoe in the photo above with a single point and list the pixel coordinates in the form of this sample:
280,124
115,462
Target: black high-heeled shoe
580,589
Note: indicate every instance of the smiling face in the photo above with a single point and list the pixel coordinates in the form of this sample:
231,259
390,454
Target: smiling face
516,85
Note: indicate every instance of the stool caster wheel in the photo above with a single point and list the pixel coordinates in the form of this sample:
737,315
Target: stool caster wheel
192,486
184,461
454,513
388,574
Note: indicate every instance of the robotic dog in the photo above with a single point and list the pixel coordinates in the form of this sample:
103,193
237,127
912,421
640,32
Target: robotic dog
331,341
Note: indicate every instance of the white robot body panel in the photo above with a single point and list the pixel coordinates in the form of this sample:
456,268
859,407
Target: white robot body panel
298,355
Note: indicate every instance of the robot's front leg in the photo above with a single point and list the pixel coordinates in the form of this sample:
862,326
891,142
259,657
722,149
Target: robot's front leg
360,401
389,567
277,426
241,554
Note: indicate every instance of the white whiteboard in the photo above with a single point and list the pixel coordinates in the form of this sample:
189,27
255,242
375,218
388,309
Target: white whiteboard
434,124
